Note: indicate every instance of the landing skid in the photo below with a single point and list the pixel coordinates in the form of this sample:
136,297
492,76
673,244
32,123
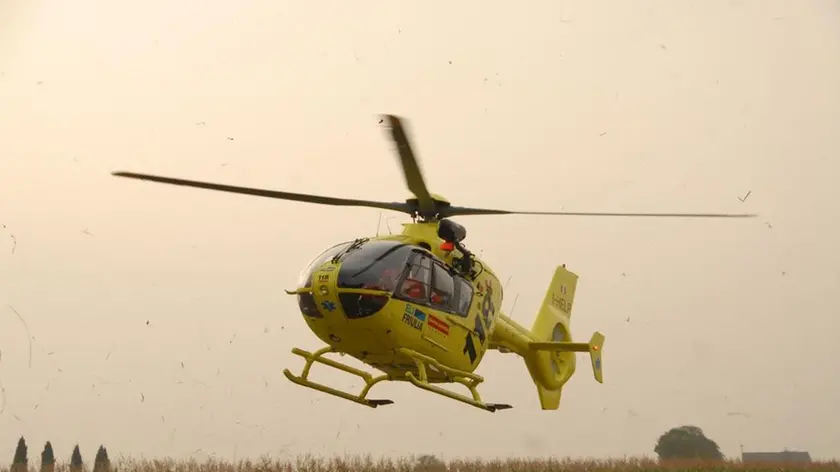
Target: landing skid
318,356
466,379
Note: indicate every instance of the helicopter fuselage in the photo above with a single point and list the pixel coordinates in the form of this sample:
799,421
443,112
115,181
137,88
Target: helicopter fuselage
369,297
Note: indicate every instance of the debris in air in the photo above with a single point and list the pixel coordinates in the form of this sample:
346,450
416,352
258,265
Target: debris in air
28,335
12,237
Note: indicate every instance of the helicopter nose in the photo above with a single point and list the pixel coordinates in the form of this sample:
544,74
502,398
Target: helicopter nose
324,292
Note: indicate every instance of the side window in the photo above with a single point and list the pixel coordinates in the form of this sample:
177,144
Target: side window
465,295
415,286
443,289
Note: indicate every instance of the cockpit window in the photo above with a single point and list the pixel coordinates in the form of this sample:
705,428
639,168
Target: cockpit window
375,265
416,285
443,289
429,282
305,279
465,296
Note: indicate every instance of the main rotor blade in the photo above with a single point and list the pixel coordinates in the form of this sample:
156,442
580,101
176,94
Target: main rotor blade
461,211
300,197
411,170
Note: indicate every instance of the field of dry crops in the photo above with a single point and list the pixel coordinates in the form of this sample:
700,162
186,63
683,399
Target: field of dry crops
348,464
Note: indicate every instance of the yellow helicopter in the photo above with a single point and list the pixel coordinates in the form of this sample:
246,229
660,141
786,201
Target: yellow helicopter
419,306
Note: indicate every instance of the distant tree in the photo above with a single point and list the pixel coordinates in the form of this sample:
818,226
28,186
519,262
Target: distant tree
76,464
20,463
101,462
430,463
687,442
47,458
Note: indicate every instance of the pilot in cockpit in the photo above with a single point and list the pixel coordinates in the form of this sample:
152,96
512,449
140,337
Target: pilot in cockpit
387,281
440,298
416,283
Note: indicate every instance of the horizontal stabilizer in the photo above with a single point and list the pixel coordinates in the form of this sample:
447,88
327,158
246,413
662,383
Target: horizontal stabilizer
594,347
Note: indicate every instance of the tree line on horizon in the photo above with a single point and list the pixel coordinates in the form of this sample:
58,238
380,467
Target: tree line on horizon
683,442
20,463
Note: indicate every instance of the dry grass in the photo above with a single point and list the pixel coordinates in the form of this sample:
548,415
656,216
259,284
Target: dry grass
348,464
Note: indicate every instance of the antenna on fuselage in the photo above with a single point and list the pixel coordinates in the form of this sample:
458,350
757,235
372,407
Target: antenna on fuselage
514,305
378,223
504,289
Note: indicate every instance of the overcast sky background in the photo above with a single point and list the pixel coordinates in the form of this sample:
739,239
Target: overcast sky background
577,105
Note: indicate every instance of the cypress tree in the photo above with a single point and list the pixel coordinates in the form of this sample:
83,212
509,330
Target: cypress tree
47,458
76,463
20,462
101,462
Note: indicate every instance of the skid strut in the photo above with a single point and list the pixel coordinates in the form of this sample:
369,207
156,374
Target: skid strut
318,356
466,379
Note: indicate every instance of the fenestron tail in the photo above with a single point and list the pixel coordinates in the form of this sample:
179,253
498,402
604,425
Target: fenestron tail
547,348
593,347
550,352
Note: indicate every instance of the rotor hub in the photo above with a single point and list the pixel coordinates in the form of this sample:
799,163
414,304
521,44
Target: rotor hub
441,205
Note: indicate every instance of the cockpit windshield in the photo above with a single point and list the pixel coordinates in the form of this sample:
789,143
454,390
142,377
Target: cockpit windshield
375,265
305,279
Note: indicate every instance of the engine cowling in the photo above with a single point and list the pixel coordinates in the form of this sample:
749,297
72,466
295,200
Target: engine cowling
451,231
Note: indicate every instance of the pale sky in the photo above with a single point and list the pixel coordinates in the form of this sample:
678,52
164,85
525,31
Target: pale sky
578,105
